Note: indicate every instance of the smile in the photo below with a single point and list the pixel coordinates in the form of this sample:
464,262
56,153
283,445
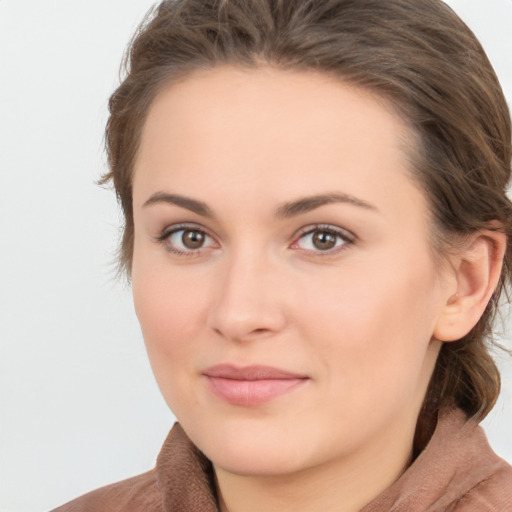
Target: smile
251,386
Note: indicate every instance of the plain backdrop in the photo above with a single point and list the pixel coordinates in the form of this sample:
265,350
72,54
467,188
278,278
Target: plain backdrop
79,406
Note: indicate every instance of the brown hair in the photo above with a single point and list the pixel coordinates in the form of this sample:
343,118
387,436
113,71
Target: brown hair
416,53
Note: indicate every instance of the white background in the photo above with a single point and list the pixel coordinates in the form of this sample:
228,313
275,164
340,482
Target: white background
79,406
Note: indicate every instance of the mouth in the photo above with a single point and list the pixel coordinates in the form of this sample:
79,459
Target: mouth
251,386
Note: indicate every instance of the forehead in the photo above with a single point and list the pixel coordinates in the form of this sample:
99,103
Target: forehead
260,102
278,132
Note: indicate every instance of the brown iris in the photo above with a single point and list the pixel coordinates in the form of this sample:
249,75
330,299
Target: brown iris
192,239
324,240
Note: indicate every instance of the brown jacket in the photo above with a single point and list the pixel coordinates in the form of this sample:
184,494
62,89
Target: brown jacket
456,472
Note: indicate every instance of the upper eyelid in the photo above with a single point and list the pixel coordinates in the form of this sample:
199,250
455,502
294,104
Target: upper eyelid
325,227
303,230
183,226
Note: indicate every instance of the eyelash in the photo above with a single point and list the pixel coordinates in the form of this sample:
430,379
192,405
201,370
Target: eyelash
164,237
346,237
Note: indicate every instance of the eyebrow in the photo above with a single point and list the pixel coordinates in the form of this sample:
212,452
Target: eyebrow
184,202
307,204
287,210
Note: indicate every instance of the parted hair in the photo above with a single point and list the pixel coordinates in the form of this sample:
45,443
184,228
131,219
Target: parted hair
418,55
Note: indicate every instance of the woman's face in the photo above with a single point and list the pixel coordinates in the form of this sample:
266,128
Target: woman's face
282,272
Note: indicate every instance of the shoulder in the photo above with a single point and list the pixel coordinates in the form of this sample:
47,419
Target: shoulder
481,480
139,493
491,494
457,471
182,480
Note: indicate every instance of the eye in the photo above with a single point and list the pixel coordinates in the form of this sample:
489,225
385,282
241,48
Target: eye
326,239
186,240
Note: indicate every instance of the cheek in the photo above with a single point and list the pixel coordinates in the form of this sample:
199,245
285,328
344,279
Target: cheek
168,303
170,314
373,323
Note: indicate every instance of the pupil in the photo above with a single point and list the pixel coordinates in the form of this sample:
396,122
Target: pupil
324,240
192,239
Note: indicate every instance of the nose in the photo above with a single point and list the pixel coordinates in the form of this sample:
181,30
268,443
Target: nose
249,299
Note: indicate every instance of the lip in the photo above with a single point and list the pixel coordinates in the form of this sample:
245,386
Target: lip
251,386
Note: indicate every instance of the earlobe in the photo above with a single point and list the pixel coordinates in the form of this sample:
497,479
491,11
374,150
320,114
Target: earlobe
477,270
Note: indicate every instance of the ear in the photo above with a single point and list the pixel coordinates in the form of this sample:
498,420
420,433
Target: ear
477,270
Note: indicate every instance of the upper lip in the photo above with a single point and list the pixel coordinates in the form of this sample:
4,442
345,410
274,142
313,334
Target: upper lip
253,372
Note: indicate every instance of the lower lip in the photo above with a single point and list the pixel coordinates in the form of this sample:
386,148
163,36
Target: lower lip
251,393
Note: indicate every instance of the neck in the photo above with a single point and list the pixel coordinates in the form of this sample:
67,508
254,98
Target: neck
344,485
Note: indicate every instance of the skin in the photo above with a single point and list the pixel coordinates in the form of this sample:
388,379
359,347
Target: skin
361,321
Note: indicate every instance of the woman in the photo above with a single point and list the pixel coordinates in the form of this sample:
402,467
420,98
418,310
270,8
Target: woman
317,236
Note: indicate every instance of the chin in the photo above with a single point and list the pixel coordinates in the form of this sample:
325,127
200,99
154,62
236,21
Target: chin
250,448
269,462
